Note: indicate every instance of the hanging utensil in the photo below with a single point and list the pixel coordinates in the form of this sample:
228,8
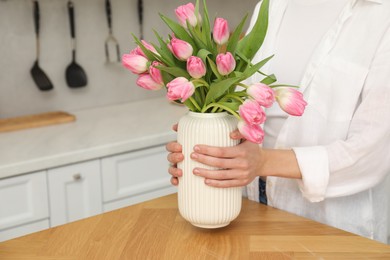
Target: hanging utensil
111,40
75,74
140,8
39,76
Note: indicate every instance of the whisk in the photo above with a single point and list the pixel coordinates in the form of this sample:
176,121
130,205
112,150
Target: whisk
111,40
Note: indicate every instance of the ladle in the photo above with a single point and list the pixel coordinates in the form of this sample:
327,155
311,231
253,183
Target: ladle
75,74
39,76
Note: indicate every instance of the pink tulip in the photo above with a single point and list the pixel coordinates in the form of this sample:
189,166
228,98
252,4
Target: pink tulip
135,63
252,112
196,67
156,73
221,31
263,94
181,49
290,100
139,51
180,88
252,133
225,63
145,81
186,13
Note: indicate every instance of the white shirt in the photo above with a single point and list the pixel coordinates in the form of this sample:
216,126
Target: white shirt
342,142
301,18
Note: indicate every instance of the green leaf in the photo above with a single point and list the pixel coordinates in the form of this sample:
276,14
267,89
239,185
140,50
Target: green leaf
232,105
252,42
175,71
217,89
214,68
167,77
164,49
233,41
203,53
253,69
207,31
179,31
269,79
199,42
189,104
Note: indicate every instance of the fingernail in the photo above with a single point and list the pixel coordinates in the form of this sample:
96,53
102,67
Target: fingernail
196,148
194,156
196,171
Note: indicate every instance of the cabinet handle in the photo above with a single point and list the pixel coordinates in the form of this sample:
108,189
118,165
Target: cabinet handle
77,177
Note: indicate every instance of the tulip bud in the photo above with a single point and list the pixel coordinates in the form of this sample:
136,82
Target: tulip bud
221,31
145,81
181,49
225,63
156,73
180,88
252,133
196,67
135,63
262,93
252,112
290,100
139,51
186,13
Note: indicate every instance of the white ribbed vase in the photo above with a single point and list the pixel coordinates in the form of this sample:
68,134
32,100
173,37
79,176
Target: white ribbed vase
202,205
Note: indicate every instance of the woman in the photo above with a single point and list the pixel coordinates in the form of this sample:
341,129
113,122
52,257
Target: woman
332,164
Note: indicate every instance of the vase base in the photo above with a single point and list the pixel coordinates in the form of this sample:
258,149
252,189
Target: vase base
211,226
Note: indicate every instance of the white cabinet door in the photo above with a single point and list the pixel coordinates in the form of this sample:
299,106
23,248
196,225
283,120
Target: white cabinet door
75,192
135,176
23,199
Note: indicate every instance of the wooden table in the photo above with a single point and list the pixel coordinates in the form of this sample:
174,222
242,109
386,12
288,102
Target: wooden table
155,230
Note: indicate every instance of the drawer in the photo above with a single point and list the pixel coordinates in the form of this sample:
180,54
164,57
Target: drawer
135,174
75,192
23,199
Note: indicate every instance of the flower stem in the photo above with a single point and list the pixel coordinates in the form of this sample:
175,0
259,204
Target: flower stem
234,113
193,101
242,85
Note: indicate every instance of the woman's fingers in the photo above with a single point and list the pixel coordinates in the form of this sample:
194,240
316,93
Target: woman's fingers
221,152
174,181
175,172
223,163
225,183
236,135
173,147
217,174
175,158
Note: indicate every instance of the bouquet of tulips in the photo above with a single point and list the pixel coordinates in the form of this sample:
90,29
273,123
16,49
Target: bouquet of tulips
205,69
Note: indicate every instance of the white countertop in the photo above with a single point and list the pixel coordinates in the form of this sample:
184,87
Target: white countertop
96,133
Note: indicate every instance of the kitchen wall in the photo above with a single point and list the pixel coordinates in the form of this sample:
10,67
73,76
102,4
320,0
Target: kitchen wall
107,83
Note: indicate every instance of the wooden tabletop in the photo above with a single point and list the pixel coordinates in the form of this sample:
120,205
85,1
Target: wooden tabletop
155,230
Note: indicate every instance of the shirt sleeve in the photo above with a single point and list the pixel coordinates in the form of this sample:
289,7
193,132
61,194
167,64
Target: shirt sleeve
362,160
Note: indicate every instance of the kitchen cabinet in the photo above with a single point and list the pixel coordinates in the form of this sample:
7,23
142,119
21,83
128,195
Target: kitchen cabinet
134,177
23,205
60,195
75,192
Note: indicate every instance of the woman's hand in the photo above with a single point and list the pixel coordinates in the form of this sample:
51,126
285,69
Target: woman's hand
239,164
175,156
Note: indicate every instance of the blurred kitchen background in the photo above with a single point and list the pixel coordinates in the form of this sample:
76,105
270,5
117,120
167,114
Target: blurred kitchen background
108,84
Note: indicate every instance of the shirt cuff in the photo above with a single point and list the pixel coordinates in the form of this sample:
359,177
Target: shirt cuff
314,165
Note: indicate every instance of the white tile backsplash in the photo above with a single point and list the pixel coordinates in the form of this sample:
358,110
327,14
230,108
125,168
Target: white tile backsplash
107,84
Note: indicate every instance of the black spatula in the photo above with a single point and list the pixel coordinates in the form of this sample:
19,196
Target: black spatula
75,74
39,76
